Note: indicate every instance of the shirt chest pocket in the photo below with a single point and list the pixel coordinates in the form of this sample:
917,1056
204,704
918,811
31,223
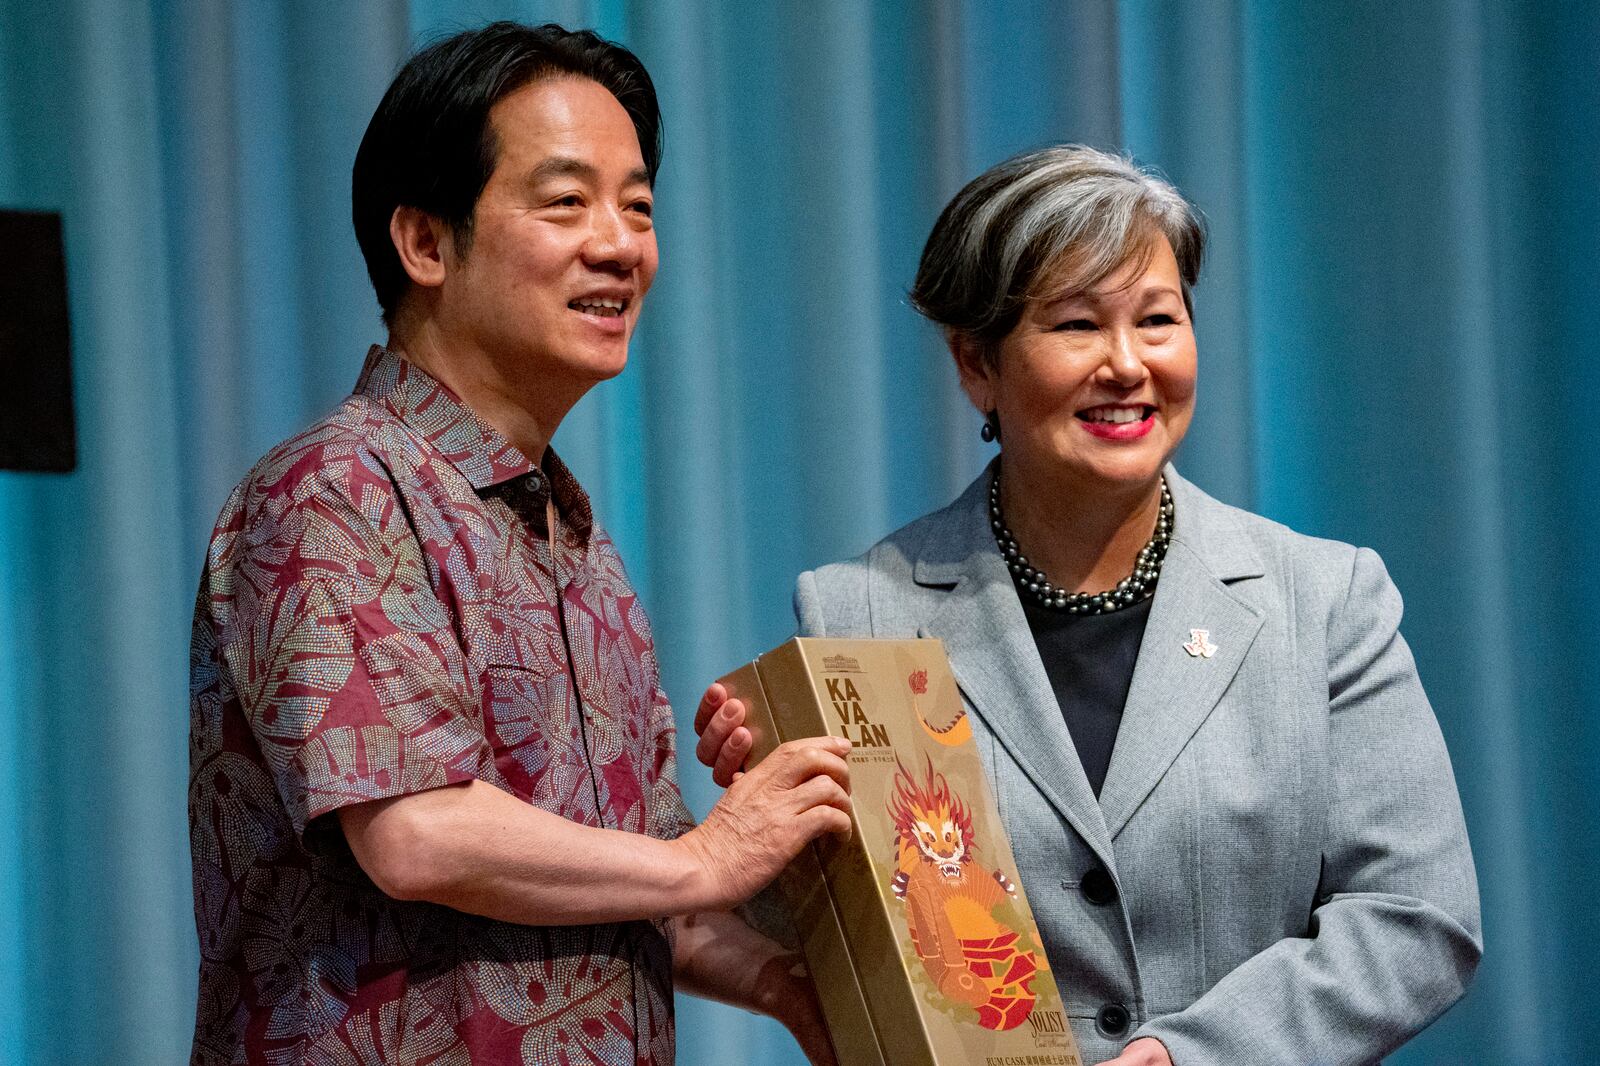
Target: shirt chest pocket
523,704
531,720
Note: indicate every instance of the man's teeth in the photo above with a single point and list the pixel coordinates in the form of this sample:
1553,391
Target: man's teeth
1116,415
603,308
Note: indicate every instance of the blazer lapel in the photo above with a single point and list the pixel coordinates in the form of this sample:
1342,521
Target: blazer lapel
996,662
1178,678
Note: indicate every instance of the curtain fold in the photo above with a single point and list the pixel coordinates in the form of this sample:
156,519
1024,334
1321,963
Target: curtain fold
1395,351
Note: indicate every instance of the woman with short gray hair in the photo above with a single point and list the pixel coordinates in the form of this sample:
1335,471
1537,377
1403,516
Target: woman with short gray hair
1229,800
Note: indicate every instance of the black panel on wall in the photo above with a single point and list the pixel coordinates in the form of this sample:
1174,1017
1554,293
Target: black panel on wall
36,429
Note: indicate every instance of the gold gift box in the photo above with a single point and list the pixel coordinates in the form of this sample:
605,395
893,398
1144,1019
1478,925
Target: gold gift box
917,934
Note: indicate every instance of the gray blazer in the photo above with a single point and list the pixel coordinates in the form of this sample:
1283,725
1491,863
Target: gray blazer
1290,879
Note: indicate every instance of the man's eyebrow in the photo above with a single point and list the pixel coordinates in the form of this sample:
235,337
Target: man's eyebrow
567,167
561,167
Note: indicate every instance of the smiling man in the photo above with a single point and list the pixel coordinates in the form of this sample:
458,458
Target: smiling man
433,804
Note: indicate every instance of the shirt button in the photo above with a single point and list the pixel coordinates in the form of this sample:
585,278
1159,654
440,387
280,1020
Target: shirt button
535,482
1097,887
1112,1020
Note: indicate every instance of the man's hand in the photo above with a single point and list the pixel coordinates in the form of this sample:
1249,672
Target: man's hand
717,956
1146,1051
787,993
724,740
798,793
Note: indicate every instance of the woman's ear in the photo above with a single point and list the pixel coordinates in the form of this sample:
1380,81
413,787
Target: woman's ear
977,371
419,239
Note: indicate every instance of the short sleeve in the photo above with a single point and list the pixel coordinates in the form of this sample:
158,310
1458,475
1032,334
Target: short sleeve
669,815
345,661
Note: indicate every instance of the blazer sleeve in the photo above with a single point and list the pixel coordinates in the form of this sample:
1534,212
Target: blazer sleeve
1394,937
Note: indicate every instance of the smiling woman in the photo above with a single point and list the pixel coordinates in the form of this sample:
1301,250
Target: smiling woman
1204,727
1097,389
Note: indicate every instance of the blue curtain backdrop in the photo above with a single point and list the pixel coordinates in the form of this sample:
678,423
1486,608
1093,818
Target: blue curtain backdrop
1397,346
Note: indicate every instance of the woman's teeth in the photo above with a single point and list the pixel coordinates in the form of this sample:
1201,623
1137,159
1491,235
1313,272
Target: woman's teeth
603,308
1115,415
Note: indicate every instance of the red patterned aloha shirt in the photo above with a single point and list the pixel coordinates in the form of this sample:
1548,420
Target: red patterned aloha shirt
378,616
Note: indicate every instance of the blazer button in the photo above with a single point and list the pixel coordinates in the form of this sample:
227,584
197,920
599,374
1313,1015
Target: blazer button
1112,1021
1097,887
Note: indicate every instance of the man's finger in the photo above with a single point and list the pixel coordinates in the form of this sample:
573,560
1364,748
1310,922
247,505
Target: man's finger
718,728
812,757
730,760
822,792
710,704
824,819
712,737
834,745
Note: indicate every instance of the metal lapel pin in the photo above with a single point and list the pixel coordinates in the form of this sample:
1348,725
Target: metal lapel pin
1199,644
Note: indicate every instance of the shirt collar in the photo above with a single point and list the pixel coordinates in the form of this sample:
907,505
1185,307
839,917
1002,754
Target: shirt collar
475,448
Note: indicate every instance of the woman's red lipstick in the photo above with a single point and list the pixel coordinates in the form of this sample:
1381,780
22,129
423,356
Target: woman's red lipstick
1117,430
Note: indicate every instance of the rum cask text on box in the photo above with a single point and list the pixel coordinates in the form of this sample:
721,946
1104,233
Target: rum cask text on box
915,930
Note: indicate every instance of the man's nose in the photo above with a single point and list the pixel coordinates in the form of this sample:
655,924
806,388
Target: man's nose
612,242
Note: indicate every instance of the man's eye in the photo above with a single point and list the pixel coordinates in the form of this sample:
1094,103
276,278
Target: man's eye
645,208
1157,320
569,200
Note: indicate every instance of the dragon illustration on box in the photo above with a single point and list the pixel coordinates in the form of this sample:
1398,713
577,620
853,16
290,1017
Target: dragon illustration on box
955,906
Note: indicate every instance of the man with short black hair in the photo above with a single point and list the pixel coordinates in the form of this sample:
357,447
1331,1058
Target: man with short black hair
433,803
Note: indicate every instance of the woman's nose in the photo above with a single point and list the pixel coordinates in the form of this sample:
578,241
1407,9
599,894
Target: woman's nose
1123,363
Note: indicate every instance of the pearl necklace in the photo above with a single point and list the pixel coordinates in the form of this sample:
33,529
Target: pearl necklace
1137,586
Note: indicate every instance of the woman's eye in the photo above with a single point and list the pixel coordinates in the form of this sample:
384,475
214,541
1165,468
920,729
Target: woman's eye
1157,320
1076,324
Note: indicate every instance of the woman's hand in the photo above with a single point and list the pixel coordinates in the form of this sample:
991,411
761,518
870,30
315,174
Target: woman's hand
724,740
1146,1051
796,794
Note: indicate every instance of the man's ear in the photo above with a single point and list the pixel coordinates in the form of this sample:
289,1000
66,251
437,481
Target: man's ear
974,367
420,240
